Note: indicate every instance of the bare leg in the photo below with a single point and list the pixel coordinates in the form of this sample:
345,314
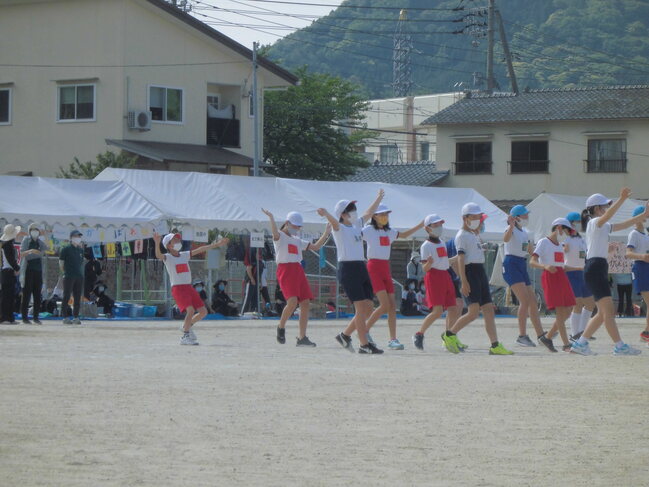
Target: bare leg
520,291
561,315
435,313
645,297
392,317
363,310
378,312
489,315
471,314
192,317
304,317
534,312
289,309
605,314
453,313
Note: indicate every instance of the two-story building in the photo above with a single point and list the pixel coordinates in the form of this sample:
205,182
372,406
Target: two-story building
79,77
568,141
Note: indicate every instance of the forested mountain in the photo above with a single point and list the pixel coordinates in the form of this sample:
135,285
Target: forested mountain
555,43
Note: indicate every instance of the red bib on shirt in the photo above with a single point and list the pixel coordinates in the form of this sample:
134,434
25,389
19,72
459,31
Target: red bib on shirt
384,241
180,268
292,249
558,256
441,252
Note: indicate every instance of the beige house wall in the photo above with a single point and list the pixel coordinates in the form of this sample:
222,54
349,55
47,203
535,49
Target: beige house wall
567,148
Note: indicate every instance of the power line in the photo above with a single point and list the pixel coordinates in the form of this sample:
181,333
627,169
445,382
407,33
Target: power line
367,7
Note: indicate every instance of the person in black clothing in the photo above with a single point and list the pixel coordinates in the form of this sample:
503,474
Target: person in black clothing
199,285
221,302
71,266
92,271
103,300
409,305
253,258
10,269
32,250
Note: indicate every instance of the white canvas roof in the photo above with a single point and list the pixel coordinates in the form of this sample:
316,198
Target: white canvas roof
548,206
234,202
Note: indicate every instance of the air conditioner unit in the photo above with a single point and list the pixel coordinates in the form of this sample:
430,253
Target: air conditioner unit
139,120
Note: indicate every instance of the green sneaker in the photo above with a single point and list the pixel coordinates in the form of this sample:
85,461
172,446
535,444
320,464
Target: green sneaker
461,346
450,342
500,350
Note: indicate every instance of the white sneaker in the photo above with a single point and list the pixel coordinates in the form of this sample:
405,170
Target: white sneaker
626,350
67,321
76,321
187,339
192,334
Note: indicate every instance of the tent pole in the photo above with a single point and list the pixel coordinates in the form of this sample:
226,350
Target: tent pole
119,280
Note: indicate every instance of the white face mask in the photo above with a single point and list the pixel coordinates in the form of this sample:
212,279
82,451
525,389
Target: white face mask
436,231
76,240
293,231
177,247
100,289
353,216
474,224
561,237
422,288
523,223
35,234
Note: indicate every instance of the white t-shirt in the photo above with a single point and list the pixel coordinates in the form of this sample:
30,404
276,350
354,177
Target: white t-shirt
638,241
549,253
518,243
288,249
469,244
379,242
597,239
178,268
349,242
438,252
576,253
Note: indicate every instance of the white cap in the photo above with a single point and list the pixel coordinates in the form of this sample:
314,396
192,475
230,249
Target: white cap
561,221
471,209
167,238
433,218
9,233
597,200
341,205
382,209
295,218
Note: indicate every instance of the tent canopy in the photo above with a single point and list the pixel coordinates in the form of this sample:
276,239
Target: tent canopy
235,202
548,206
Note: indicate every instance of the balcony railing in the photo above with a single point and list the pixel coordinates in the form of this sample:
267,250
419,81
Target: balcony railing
473,167
223,132
605,165
527,167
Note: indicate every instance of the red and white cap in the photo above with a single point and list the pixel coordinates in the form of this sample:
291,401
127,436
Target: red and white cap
432,219
295,218
341,205
169,237
597,199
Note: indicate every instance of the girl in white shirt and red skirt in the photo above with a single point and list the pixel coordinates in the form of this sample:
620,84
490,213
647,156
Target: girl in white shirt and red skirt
290,274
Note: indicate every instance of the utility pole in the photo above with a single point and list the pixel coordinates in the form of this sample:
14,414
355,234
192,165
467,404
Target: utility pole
508,55
490,45
255,107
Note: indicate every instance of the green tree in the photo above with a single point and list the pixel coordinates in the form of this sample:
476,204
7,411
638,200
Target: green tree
306,128
88,170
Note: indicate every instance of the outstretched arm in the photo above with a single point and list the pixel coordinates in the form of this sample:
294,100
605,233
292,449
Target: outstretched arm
624,195
322,240
370,211
273,225
414,229
205,248
335,225
156,240
632,221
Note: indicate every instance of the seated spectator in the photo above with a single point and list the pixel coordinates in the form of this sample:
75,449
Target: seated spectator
409,304
221,302
199,285
103,300
421,298
92,271
50,305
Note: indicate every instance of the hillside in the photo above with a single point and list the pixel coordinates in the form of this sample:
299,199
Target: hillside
556,43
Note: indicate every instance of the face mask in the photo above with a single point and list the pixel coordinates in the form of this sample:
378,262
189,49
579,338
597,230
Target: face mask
100,289
35,234
76,240
561,237
353,216
199,289
473,224
411,286
436,231
423,288
221,287
523,223
293,231
177,247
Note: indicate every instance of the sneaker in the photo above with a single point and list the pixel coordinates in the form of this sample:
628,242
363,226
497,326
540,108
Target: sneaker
281,335
67,321
36,321
187,339
26,322
460,346
193,335
76,321
644,336
304,342
576,336
500,350
544,340
370,339
370,348
345,342
418,340
524,341
581,349
626,350
394,345
450,342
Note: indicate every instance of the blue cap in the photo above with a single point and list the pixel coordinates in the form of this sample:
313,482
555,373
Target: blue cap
573,216
519,210
638,209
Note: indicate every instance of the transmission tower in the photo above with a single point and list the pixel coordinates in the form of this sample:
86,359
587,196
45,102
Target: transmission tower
401,66
183,5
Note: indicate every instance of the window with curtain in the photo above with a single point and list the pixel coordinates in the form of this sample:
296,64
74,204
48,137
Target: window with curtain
5,106
529,157
473,158
425,151
606,155
77,102
166,104
389,154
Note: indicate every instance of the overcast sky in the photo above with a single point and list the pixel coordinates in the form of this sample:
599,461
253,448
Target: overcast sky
247,21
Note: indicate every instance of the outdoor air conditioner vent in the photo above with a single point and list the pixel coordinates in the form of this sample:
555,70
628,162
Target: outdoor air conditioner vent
139,120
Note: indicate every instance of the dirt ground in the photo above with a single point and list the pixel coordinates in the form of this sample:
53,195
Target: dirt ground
122,404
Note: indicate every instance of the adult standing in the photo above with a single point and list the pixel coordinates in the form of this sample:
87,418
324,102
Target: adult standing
10,270
71,266
414,269
32,250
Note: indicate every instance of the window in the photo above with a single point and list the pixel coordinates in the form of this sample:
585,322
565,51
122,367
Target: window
425,151
76,102
606,155
473,158
529,157
5,106
166,104
212,105
389,154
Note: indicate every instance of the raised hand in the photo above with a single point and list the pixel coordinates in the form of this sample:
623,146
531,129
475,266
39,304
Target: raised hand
321,212
157,237
267,213
625,193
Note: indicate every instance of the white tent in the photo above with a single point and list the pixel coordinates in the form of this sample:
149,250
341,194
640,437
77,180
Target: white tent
548,206
235,202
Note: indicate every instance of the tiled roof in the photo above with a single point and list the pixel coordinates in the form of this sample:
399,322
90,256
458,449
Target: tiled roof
412,173
606,103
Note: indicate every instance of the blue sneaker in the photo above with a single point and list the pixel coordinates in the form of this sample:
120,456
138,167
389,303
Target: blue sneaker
626,350
581,349
395,345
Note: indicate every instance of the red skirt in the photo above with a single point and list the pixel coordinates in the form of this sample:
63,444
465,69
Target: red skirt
439,289
379,271
557,289
292,281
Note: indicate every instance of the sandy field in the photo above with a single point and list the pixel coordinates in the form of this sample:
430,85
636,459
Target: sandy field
122,404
